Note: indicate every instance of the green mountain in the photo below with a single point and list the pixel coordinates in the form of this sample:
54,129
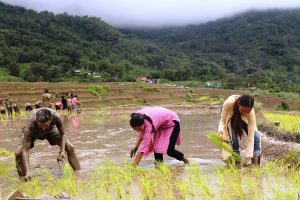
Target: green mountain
47,47
260,48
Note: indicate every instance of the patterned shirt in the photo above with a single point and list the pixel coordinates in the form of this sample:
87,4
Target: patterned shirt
163,123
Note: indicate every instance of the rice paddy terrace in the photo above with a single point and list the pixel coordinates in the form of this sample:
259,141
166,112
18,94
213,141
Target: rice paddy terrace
126,94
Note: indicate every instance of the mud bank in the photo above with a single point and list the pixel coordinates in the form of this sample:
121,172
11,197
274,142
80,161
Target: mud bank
273,148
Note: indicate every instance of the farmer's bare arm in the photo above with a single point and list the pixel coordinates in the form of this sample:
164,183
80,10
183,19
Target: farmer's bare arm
138,158
62,142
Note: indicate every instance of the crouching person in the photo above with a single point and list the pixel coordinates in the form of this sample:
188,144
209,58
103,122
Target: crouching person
237,118
44,123
159,131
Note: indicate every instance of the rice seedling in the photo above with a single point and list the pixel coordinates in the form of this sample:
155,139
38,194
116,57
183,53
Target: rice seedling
288,122
222,144
4,152
212,100
32,188
147,187
277,179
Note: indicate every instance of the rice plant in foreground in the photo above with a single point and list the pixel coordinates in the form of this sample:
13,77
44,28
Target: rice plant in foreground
222,144
277,179
288,122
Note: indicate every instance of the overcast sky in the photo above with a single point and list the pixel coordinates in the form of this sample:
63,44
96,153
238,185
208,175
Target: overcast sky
154,12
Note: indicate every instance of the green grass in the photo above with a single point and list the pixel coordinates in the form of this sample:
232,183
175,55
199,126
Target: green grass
212,100
23,68
289,96
288,122
6,77
193,84
4,152
97,90
275,180
150,89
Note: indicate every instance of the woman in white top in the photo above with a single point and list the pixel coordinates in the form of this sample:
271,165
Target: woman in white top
238,117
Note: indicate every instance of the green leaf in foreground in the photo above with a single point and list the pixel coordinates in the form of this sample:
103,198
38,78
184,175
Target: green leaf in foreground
222,144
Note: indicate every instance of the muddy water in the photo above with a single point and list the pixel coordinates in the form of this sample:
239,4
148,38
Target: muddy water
105,135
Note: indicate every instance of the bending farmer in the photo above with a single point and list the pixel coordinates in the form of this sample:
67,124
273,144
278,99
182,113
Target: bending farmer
44,123
159,131
238,117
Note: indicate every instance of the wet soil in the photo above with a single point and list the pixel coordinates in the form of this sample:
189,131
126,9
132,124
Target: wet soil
105,134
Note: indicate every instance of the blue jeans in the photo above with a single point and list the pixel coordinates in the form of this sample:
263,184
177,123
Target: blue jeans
236,145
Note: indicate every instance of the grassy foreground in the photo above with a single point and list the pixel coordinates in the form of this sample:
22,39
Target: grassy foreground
275,180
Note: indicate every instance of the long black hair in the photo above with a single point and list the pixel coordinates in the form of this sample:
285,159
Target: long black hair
236,120
137,119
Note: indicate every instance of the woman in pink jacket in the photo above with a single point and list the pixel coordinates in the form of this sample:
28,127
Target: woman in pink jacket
159,131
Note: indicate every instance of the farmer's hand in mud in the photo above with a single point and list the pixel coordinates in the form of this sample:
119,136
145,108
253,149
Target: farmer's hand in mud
27,177
133,151
248,162
61,156
220,134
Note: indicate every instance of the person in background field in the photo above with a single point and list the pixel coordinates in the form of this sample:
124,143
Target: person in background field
52,105
46,98
17,107
64,103
2,108
238,117
9,108
69,105
44,123
38,104
163,126
28,107
71,94
75,104
58,106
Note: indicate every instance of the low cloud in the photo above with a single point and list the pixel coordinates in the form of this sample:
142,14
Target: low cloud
153,13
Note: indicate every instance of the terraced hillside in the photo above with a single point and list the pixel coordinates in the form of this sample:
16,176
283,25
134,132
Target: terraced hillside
125,94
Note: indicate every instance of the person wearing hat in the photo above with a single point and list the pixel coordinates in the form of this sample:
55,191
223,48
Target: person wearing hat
44,123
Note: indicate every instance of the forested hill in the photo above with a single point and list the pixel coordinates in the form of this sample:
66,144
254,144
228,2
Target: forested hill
261,48
47,47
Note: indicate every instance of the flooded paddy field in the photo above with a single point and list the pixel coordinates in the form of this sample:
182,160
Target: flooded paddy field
106,135
103,139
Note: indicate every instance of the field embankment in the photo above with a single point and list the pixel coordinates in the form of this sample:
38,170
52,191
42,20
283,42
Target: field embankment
126,94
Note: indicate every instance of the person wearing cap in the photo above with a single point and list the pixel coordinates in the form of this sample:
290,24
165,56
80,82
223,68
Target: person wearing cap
44,123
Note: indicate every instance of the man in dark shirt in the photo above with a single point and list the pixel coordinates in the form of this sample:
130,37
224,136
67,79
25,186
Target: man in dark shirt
44,123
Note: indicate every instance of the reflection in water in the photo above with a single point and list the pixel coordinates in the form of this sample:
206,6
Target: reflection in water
100,136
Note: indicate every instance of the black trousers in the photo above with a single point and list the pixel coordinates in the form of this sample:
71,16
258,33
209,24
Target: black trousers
172,152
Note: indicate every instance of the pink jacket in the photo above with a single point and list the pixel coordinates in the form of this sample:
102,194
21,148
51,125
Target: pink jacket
163,123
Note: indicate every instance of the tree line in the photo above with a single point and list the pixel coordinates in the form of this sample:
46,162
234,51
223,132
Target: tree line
259,48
